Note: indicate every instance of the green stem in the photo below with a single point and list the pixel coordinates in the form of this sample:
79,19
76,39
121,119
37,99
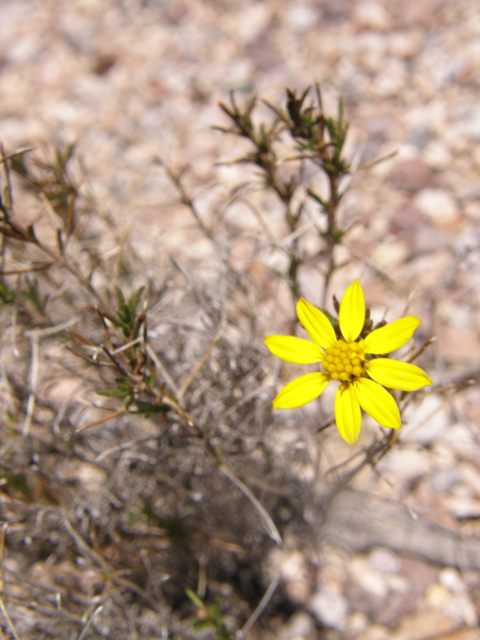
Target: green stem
330,234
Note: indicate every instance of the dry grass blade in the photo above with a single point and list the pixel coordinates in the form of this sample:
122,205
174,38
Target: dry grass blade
160,367
35,349
369,165
8,620
88,624
261,606
51,331
269,525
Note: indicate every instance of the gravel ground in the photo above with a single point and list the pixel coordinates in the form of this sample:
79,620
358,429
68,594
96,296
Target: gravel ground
133,81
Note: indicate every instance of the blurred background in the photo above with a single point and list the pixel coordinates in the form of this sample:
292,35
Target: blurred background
130,82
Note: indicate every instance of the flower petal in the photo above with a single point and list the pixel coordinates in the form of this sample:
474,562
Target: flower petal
301,391
392,336
378,403
295,350
347,413
397,375
316,323
352,312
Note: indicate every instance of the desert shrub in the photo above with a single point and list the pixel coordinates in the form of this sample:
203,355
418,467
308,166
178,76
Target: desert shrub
146,479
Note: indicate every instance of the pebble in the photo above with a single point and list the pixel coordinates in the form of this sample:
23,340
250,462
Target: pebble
390,254
442,480
405,464
368,578
299,626
375,632
461,440
330,608
438,206
437,155
458,606
370,14
472,125
384,561
302,17
463,507
405,44
462,610
451,580
425,422
294,574
412,175
392,78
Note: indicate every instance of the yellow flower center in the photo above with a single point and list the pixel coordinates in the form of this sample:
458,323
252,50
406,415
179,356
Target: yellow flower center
344,360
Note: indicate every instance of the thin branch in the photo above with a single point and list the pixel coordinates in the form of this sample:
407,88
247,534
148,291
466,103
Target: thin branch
110,416
200,364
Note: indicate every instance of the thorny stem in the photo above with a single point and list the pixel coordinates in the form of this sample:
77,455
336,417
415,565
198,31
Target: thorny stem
317,138
330,234
9,229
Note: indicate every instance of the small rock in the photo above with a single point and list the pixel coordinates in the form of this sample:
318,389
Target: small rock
424,12
426,623
437,155
300,625
406,219
384,561
419,573
473,126
460,439
461,609
376,632
392,78
472,210
451,580
425,422
442,480
463,507
294,574
412,175
330,608
390,254
370,580
302,17
436,595
476,156
372,15
405,465
438,206
457,344
357,622
405,44
471,476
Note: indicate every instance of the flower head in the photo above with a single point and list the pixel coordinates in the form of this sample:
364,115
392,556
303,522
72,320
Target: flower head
348,360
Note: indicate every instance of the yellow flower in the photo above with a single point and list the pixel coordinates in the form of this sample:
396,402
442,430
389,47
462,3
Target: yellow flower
347,360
